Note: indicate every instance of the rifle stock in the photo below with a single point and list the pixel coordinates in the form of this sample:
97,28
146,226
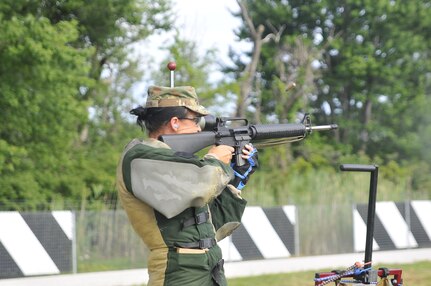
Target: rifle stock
189,143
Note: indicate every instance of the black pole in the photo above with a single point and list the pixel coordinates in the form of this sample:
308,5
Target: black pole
374,170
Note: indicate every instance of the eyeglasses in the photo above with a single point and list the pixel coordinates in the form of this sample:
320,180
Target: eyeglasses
196,119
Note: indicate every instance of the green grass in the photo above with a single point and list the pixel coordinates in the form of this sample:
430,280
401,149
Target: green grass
416,274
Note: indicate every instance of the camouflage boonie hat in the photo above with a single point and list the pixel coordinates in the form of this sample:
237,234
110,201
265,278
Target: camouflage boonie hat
159,96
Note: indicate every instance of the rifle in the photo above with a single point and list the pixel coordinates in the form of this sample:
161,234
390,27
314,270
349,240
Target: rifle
216,131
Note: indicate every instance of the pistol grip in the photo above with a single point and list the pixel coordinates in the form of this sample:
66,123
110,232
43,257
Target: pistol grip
239,161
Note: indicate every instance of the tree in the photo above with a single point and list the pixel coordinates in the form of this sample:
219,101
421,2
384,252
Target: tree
39,78
110,27
363,65
285,58
355,63
374,72
192,69
79,50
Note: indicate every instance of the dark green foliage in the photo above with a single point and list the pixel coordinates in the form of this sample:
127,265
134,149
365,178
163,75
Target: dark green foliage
364,65
54,153
39,79
66,79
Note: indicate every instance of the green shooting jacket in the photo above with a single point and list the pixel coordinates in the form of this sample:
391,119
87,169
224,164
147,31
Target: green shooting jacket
180,206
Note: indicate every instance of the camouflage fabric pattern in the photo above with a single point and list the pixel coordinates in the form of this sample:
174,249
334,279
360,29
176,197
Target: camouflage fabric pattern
159,96
167,265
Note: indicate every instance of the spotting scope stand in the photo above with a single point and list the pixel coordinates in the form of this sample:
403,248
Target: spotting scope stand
369,276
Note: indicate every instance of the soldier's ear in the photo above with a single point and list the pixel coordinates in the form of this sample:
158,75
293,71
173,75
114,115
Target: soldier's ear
174,123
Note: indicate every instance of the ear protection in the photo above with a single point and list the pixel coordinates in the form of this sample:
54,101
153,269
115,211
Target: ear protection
176,126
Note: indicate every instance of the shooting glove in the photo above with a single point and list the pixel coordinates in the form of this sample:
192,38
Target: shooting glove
242,173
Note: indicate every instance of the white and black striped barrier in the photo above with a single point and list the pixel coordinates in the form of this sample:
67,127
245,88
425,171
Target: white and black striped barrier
36,243
264,233
43,243
396,225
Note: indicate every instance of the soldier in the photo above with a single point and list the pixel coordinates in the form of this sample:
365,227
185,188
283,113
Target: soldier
181,205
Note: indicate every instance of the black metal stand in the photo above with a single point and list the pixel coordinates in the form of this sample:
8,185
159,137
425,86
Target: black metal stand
371,275
374,170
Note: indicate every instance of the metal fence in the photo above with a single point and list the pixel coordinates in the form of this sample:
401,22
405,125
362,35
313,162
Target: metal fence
106,240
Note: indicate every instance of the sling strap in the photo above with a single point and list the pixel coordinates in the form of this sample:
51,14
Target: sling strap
217,271
200,218
204,243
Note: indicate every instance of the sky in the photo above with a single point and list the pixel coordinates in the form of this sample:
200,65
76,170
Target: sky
209,23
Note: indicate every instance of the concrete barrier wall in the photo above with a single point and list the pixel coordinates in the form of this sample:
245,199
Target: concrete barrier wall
264,233
396,226
36,243
33,244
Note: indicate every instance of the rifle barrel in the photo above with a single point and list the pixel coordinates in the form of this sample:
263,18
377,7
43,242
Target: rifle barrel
272,131
322,127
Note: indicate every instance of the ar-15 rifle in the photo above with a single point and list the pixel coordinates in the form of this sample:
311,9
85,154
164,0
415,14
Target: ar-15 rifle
217,132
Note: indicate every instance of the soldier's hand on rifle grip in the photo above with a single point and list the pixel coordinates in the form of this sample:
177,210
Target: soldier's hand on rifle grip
242,173
222,153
